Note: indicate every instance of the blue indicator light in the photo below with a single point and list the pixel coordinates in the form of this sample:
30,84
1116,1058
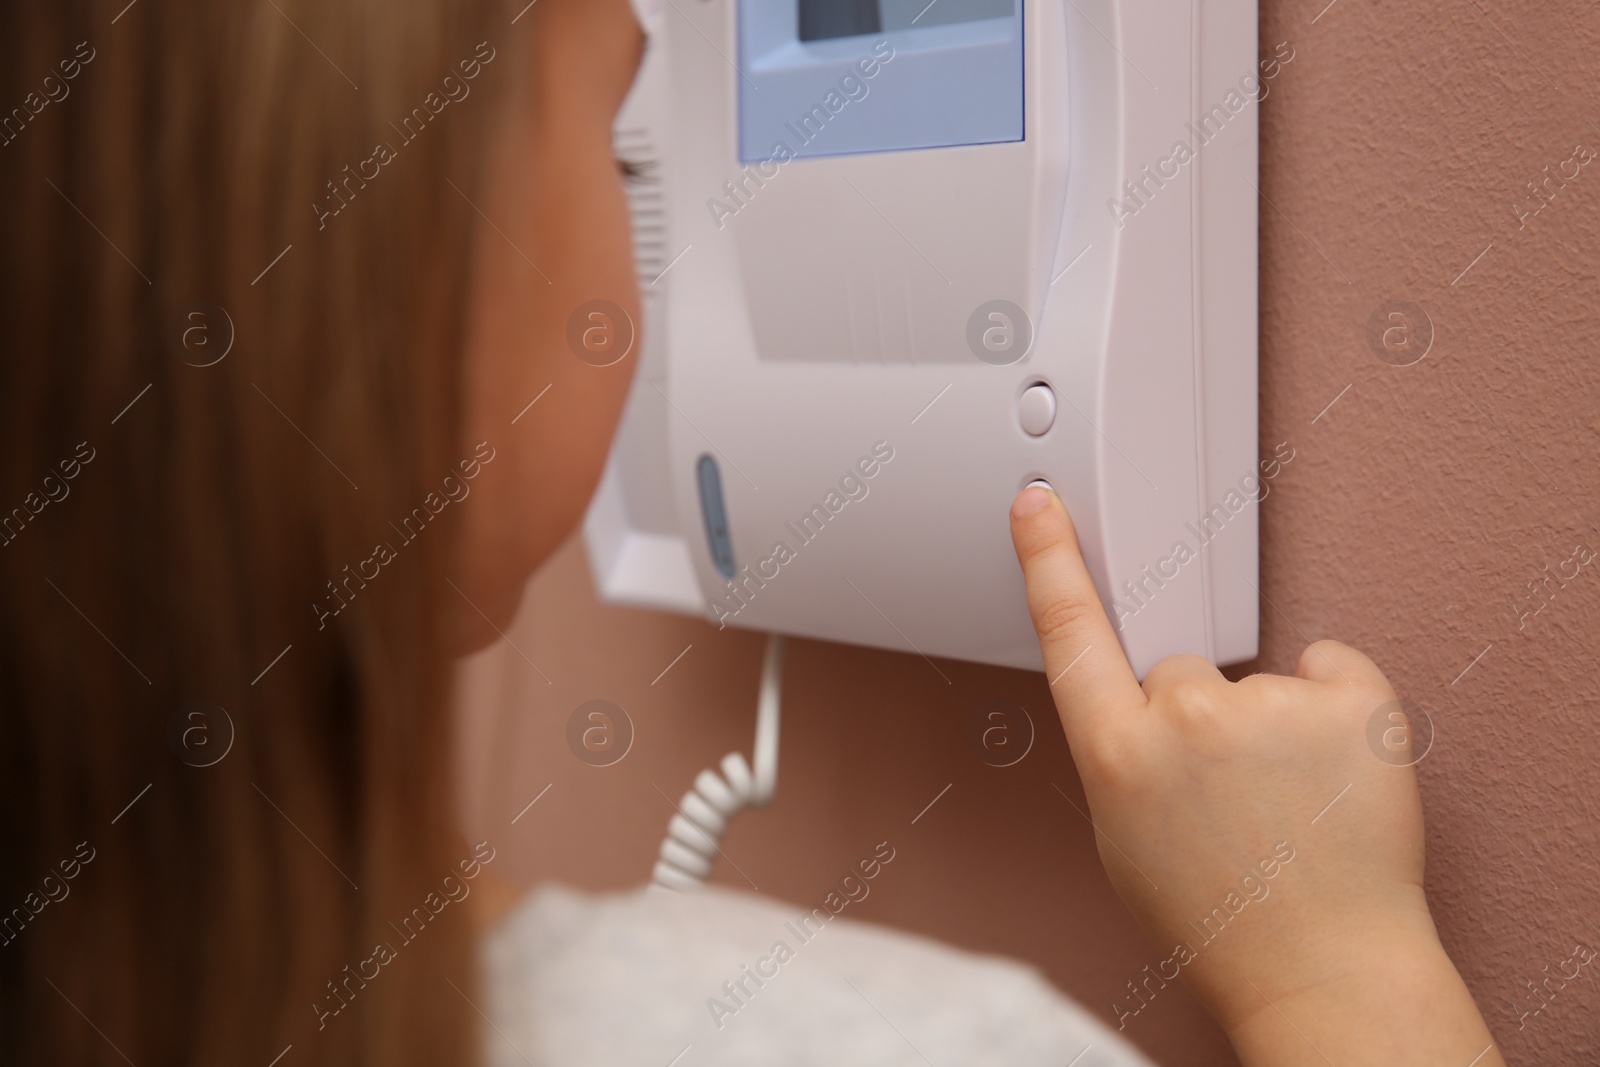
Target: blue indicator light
713,510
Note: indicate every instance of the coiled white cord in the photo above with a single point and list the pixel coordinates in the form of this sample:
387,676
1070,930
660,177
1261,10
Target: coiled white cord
694,835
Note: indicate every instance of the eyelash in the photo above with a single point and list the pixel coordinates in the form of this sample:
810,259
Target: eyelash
637,170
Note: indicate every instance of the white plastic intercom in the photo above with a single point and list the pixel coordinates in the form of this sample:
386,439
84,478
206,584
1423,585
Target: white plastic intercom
899,259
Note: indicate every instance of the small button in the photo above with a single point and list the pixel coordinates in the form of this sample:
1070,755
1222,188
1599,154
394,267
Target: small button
1037,409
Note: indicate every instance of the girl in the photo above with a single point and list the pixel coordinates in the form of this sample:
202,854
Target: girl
276,279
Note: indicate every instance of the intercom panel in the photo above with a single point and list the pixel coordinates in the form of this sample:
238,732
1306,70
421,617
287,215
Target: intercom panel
900,259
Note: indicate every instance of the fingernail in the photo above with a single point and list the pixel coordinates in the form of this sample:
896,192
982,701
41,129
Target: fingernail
1029,501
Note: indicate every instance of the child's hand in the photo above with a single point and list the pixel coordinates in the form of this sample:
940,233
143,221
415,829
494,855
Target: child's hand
1273,858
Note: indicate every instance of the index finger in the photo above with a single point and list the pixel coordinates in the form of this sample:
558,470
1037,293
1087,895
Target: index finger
1088,672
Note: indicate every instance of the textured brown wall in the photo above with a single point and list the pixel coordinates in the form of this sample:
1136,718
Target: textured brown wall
1396,149
1422,505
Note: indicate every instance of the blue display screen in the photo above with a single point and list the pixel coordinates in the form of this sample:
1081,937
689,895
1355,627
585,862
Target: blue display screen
837,77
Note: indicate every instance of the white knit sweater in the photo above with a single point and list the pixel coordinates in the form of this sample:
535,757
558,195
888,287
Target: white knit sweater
651,979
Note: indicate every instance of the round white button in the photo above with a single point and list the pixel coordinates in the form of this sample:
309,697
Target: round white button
1037,409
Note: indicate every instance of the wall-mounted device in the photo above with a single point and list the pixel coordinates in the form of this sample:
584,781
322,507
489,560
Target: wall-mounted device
901,258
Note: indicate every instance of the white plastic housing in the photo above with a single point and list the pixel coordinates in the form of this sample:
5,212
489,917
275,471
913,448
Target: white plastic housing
829,313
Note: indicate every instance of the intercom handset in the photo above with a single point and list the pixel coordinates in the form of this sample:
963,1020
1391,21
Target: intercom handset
982,234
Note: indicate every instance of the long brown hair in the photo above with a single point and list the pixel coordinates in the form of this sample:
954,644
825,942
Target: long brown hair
216,395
